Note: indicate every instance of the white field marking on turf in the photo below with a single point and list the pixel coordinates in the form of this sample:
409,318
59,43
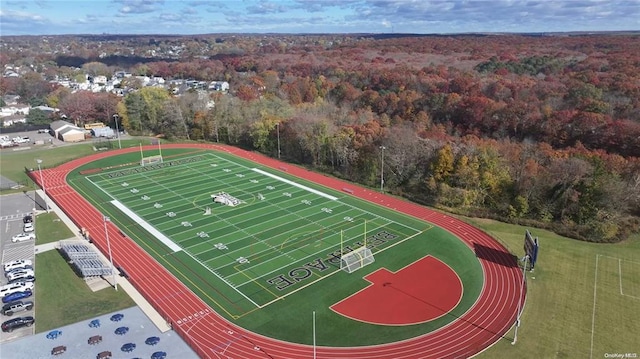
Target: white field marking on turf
304,187
142,174
302,259
286,253
328,275
620,272
295,184
620,276
387,222
100,174
170,243
310,210
148,227
593,314
100,188
270,248
349,207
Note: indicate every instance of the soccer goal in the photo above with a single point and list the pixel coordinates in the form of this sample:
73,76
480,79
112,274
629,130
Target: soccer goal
356,259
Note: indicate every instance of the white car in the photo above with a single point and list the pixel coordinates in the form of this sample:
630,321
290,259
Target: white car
17,264
16,287
23,237
26,275
28,227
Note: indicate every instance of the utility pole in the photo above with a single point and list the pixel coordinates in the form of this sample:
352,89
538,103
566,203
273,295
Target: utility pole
44,189
278,134
115,118
106,219
382,148
524,277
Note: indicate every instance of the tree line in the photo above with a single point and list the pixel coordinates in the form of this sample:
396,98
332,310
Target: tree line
536,131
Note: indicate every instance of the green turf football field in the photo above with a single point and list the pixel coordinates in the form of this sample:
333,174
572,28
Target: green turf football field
270,255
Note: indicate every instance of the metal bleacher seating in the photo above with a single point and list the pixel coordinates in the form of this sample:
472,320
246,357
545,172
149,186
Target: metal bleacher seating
84,259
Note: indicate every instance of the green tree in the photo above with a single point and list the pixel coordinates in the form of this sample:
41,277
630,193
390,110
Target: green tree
37,117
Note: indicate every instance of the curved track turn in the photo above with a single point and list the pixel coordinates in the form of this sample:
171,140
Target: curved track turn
212,336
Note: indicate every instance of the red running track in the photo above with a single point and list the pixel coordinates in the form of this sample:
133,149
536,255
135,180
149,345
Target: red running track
212,336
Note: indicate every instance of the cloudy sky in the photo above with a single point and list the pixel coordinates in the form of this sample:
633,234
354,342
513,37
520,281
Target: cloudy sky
45,17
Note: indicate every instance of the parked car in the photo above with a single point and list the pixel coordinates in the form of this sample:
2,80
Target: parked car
23,237
23,268
24,274
16,296
18,306
20,139
16,287
16,264
27,219
16,323
28,227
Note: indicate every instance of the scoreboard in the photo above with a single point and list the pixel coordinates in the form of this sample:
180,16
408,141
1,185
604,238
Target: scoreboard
531,248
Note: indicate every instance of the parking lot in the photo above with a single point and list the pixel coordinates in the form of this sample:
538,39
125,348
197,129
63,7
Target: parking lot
134,330
14,208
35,138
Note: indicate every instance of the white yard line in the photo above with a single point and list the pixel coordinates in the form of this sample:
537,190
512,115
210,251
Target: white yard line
148,227
322,194
169,243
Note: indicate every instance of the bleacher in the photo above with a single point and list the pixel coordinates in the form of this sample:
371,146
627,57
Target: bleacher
85,261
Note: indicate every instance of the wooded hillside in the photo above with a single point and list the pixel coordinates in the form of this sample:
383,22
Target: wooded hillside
538,130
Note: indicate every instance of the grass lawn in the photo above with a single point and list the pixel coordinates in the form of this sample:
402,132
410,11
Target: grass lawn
49,228
562,314
63,298
15,162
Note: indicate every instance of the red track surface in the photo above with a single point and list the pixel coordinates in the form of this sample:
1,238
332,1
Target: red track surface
212,336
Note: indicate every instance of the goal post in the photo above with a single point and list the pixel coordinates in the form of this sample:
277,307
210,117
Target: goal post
356,259
149,160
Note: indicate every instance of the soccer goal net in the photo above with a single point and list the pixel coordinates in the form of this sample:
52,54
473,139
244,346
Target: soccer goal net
145,161
356,259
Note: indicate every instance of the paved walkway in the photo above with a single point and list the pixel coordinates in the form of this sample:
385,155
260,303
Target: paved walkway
121,283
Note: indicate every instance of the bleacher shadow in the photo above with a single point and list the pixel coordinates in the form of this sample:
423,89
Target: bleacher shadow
496,256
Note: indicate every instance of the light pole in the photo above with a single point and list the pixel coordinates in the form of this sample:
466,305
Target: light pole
44,189
519,313
278,134
115,118
314,334
382,148
106,219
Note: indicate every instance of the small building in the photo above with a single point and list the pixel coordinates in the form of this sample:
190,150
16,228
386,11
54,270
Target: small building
102,132
67,132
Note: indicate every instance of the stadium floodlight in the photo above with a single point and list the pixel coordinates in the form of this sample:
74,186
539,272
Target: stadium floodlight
44,189
278,134
106,219
382,148
314,334
115,119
